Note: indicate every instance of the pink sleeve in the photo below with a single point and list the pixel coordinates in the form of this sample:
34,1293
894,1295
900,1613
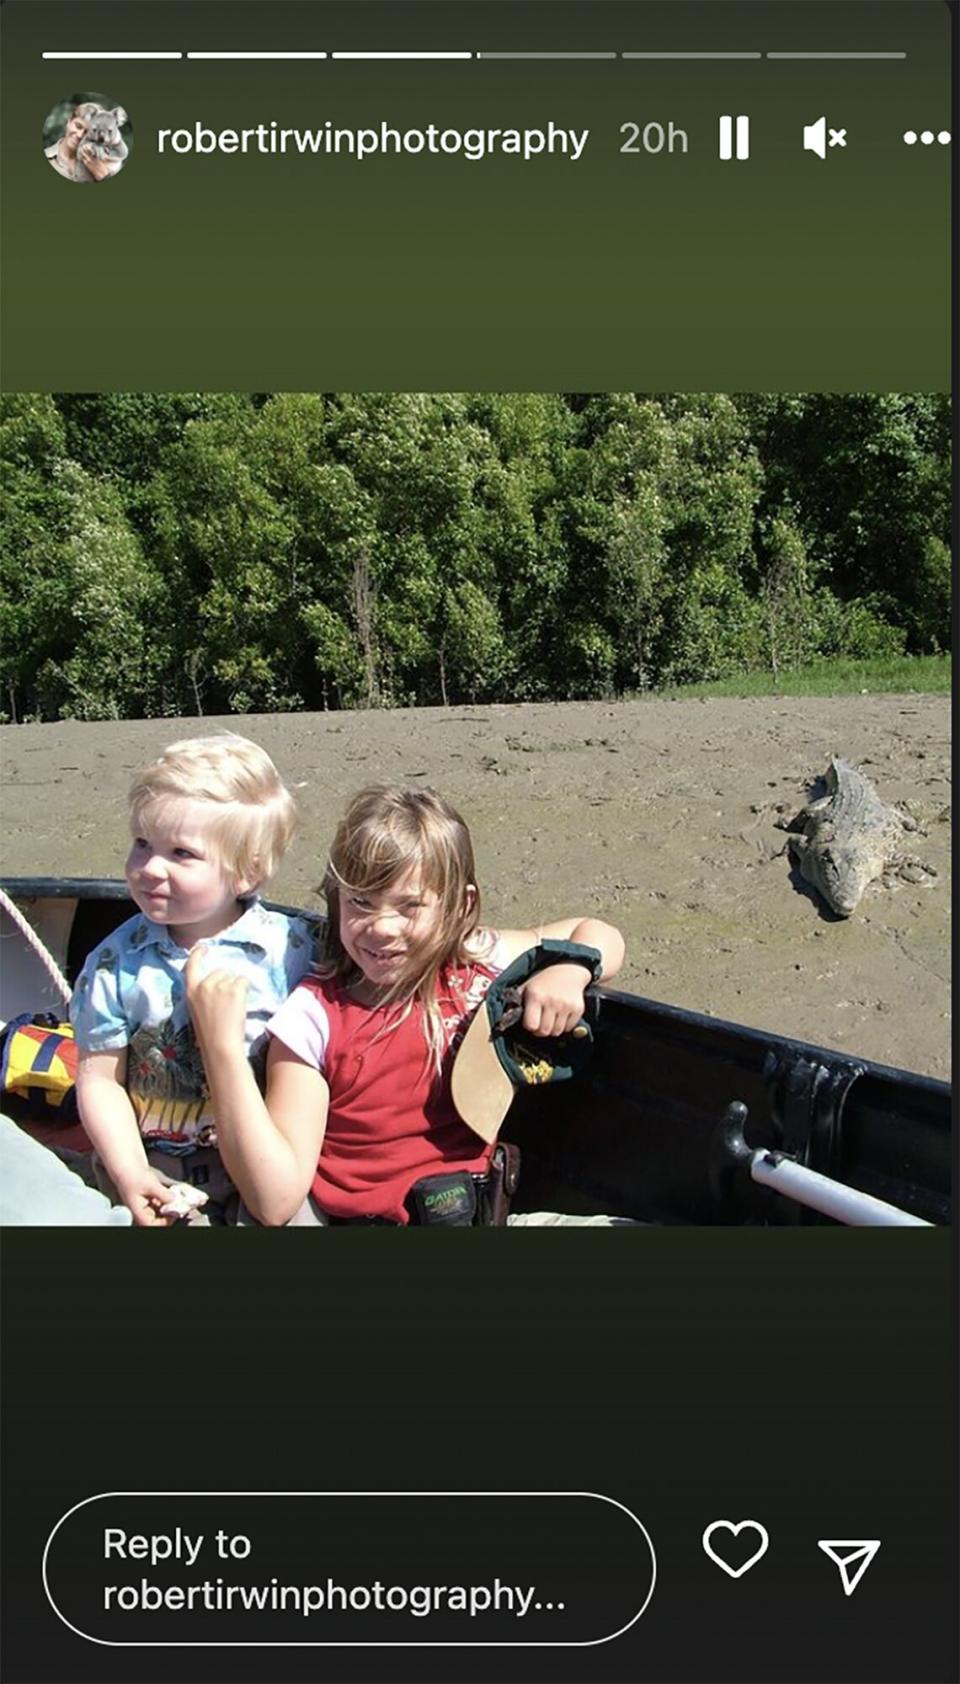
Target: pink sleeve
302,1025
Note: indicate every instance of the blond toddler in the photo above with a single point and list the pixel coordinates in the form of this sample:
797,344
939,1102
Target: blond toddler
210,822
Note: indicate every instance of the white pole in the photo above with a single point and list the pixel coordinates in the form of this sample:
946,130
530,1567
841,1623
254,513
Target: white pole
831,1198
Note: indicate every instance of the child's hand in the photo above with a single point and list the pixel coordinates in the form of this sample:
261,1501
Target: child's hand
145,1194
217,1003
553,999
182,1200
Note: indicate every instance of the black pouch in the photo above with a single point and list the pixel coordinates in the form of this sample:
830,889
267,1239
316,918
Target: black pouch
446,1200
499,1185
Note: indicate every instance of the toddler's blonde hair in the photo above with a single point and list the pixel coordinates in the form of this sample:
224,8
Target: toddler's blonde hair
252,815
387,830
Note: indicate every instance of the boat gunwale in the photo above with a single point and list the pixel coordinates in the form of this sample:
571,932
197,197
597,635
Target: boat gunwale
111,888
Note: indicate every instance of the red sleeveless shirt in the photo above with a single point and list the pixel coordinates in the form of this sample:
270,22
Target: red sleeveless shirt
391,1118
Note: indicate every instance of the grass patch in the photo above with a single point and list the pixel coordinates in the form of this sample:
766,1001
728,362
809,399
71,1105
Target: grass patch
917,674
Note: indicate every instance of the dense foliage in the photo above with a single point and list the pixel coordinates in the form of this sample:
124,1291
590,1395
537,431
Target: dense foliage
210,553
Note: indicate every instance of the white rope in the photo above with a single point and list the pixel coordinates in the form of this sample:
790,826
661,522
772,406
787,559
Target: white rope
30,935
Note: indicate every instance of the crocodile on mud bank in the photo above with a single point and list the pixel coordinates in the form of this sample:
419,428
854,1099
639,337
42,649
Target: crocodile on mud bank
848,839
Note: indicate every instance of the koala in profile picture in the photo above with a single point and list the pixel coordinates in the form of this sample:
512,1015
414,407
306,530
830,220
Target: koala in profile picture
87,139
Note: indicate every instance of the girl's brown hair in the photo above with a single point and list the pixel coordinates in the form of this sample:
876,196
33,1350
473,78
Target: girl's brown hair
387,830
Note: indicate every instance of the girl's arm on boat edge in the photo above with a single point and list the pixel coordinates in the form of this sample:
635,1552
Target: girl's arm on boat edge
110,1120
553,998
270,1148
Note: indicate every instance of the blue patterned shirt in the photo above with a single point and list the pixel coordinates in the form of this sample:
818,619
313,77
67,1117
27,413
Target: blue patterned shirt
131,994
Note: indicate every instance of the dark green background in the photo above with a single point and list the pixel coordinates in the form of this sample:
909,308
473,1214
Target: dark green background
786,271
803,1378
800,1378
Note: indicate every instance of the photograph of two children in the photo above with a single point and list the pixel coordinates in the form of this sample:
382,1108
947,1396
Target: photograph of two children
370,758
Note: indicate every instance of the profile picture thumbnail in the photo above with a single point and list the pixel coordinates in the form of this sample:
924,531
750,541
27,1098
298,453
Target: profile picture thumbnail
87,137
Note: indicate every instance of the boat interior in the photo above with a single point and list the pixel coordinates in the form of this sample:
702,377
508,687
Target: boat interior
644,1132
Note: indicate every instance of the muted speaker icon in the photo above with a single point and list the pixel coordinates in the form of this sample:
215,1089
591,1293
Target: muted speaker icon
815,137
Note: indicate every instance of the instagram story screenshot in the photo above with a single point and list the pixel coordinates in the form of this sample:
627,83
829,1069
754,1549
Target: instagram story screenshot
476,618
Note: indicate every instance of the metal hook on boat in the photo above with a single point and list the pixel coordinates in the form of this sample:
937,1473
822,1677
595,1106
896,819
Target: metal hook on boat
742,1177
729,1167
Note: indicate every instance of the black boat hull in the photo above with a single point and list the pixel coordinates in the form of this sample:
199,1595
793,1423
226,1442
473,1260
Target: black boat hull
637,1134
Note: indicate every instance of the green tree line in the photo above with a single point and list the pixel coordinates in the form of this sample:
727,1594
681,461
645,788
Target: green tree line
168,554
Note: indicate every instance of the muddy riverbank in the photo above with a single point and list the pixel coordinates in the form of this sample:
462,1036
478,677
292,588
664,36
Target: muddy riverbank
658,814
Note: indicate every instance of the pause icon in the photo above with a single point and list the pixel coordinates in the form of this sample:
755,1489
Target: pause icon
730,126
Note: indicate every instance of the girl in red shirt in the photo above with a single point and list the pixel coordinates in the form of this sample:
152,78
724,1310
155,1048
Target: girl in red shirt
358,1105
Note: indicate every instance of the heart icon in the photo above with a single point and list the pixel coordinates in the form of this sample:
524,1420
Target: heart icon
735,1528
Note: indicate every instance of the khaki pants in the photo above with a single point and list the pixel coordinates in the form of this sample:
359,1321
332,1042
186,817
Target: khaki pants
203,1169
308,1216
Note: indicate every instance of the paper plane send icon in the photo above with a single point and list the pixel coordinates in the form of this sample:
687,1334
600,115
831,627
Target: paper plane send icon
852,1555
